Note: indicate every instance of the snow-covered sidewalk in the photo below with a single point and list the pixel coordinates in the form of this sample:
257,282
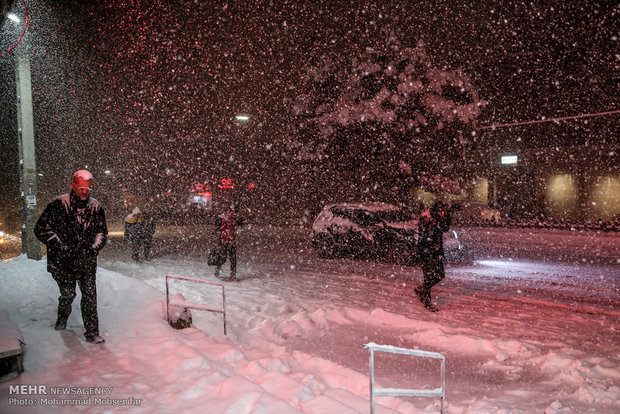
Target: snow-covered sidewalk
514,339
146,366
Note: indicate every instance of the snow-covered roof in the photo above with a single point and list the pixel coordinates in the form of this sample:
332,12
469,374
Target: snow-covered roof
368,205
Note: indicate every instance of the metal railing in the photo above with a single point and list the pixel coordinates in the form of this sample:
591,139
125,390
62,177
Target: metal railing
190,305
400,392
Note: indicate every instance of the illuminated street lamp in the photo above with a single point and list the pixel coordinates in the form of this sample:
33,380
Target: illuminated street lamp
13,17
242,118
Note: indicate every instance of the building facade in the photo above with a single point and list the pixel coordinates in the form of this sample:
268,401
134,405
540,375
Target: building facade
577,182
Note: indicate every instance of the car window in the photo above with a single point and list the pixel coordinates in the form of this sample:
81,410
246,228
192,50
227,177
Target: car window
341,212
395,216
364,218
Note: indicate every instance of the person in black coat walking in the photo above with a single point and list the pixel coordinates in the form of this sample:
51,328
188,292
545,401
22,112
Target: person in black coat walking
139,230
73,227
433,223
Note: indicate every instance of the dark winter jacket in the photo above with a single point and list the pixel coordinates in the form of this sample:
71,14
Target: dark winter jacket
74,232
430,234
139,226
225,230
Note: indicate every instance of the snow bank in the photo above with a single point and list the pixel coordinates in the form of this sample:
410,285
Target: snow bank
518,336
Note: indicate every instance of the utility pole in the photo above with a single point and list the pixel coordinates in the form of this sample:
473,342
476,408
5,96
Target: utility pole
27,164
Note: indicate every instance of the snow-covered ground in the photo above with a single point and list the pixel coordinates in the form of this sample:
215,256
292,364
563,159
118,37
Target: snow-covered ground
530,327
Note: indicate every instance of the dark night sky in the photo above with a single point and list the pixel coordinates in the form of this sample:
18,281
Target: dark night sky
160,82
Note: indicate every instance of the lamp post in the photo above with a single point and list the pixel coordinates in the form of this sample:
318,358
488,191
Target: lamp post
27,163
5,8
25,138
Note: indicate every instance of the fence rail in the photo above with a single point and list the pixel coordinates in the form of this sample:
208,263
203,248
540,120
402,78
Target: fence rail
402,392
196,306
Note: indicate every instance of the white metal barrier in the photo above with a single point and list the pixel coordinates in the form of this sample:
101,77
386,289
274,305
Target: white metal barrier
190,305
399,392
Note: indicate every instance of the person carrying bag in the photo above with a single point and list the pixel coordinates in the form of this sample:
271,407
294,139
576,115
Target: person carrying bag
225,244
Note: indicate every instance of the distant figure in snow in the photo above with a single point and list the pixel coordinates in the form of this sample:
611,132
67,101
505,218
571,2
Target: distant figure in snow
73,227
139,230
225,236
433,223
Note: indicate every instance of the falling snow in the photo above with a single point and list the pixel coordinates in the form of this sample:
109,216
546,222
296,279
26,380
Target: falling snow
523,329
282,107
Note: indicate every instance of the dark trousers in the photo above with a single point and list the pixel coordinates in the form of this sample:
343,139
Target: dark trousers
88,305
138,245
433,273
229,250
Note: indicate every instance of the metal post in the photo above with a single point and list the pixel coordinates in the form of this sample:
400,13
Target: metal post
443,384
27,164
167,302
372,381
224,306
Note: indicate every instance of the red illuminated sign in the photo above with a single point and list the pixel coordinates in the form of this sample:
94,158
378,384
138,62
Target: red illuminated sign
251,186
227,183
202,190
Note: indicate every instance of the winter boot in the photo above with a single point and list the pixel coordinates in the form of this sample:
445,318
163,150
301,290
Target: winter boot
60,325
431,307
419,294
95,339
425,298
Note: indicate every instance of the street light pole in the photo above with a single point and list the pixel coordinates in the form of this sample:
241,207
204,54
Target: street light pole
27,164
5,8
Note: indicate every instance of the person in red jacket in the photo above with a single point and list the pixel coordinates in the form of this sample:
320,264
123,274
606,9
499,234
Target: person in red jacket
225,235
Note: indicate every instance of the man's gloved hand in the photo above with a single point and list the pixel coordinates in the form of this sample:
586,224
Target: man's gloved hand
55,243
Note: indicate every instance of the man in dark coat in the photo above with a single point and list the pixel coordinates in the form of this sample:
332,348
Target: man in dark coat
73,227
225,235
433,223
